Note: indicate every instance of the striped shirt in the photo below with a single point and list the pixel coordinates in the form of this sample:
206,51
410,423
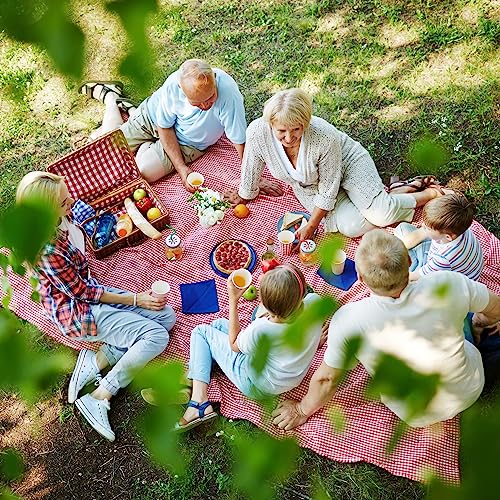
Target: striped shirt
462,255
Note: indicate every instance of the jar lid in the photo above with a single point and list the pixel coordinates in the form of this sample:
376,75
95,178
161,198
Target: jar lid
308,246
172,241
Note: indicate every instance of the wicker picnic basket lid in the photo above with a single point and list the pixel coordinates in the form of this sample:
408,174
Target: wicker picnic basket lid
98,167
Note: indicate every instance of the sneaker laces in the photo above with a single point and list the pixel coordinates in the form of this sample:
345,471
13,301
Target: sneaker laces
98,378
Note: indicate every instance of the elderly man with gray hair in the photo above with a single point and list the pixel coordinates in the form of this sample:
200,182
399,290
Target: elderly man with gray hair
178,122
421,323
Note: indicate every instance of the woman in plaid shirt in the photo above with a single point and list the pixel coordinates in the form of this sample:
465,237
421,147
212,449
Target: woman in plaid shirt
133,327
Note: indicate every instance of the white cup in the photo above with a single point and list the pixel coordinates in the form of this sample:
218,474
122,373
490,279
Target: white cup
338,262
286,239
160,289
241,278
195,180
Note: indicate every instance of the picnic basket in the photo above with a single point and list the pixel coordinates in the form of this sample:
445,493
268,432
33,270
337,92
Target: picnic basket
103,173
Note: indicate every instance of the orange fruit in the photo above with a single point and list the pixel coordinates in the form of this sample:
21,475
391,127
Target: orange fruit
241,211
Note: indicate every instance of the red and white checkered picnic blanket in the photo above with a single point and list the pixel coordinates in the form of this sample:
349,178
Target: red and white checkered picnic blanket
369,423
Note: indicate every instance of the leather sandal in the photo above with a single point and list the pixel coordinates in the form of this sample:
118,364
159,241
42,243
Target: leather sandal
87,88
416,184
125,104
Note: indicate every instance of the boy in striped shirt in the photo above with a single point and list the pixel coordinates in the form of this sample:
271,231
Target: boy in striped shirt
445,242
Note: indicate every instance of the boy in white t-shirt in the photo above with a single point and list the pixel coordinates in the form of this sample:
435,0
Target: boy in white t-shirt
282,291
445,242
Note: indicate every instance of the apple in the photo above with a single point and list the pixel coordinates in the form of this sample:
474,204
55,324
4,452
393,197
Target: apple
250,293
139,194
144,204
153,214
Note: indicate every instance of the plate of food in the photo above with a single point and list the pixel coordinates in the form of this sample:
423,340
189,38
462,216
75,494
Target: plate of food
293,221
229,255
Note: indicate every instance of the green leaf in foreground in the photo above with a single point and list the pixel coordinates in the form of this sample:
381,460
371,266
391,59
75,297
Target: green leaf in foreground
29,371
316,313
11,465
158,423
395,379
260,461
428,156
25,228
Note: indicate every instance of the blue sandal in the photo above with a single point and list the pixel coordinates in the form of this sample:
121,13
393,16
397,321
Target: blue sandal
201,407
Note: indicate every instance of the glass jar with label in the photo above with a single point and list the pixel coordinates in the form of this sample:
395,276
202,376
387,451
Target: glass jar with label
307,252
173,247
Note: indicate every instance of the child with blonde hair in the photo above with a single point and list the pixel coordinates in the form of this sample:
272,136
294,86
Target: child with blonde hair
282,292
445,242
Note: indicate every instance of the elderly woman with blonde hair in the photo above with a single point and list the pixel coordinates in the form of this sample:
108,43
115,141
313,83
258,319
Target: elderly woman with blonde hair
332,175
133,327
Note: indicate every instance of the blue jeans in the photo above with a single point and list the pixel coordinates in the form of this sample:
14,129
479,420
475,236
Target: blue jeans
211,343
132,337
419,253
489,347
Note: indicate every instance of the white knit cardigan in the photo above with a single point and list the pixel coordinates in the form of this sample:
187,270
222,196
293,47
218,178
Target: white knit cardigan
332,160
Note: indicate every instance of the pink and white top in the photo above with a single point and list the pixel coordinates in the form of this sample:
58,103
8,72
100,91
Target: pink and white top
462,255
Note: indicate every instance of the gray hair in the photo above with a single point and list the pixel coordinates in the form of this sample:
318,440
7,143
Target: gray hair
196,73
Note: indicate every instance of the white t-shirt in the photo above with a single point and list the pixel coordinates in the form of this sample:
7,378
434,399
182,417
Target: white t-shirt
285,368
424,328
75,234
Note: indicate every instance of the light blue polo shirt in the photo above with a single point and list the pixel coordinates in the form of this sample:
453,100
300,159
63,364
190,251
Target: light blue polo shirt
168,107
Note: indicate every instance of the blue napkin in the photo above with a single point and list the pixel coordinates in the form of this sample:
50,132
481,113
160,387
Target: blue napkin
81,211
199,298
345,280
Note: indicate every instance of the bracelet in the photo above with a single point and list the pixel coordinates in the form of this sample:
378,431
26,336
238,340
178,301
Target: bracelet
135,300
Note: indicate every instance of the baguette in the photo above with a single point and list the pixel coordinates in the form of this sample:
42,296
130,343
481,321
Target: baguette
138,219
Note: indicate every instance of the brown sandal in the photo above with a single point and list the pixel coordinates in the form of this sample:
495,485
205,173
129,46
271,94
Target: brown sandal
416,184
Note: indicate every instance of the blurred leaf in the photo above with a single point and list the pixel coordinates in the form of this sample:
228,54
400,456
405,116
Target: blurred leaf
11,465
442,290
261,354
134,17
427,155
352,347
4,262
480,442
260,462
7,292
397,434
16,266
316,313
6,494
25,228
337,417
327,250
156,427
48,25
394,379
34,371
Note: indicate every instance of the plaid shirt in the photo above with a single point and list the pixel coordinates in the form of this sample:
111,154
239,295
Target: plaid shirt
66,288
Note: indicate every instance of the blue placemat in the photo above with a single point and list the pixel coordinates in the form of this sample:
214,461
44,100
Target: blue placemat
345,280
199,298
251,267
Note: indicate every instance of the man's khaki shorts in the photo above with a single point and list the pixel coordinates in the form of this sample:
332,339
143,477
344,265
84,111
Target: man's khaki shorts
139,129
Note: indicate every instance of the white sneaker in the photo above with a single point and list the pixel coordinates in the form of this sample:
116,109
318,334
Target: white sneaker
95,412
85,371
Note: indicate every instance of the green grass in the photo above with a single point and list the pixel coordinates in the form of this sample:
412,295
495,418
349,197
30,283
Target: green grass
385,72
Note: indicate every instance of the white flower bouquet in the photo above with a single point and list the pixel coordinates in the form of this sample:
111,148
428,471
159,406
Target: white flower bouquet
209,206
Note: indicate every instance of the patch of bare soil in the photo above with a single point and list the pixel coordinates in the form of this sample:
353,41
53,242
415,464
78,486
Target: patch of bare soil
66,459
